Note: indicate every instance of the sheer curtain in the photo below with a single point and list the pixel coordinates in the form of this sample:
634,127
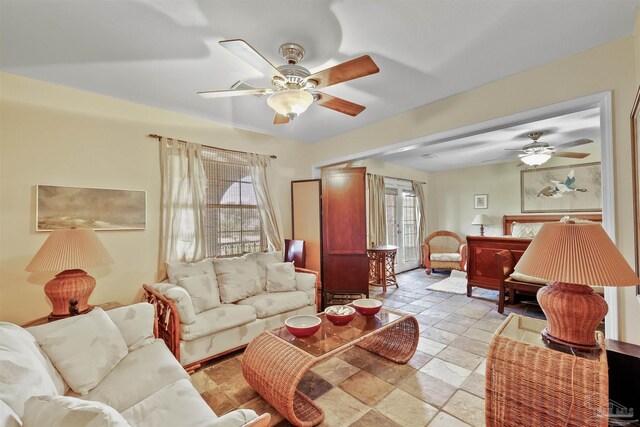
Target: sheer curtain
421,208
269,212
183,193
377,212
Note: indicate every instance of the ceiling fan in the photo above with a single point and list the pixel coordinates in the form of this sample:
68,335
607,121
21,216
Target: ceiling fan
537,152
293,87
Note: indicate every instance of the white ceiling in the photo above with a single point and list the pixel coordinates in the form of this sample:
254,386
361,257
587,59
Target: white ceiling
489,147
161,52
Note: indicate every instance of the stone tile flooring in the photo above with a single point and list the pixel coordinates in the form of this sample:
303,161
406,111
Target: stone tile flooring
441,386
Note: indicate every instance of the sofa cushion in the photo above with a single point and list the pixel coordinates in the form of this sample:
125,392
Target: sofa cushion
135,323
8,418
177,404
263,259
153,367
67,411
25,370
203,291
85,349
525,230
180,298
281,277
267,305
445,257
237,277
218,319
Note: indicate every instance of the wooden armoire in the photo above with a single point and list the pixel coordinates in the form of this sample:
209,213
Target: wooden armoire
340,224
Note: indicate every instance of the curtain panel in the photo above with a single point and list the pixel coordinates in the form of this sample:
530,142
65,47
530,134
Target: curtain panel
377,221
183,192
422,212
269,212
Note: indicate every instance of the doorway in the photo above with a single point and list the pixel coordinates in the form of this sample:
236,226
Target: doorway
402,225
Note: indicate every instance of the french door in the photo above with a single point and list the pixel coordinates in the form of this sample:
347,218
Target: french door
402,226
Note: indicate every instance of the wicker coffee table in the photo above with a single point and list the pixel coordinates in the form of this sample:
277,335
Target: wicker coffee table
275,362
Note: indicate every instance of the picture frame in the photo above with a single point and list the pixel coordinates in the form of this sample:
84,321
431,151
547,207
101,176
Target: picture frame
480,201
635,173
564,189
86,207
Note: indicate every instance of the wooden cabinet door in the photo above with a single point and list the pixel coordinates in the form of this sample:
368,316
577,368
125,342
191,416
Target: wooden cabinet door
344,240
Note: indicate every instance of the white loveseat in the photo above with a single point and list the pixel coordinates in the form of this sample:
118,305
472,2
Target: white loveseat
215,306
100,369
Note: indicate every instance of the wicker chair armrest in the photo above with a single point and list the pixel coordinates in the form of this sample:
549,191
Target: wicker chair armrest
167,317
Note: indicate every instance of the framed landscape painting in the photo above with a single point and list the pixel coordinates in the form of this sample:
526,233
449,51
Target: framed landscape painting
571,188
97,208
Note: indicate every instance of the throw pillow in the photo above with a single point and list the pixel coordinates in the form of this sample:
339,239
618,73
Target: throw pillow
525,230
67,411
203,291
177,270
238,278
86,349
263,259
281,277
135,323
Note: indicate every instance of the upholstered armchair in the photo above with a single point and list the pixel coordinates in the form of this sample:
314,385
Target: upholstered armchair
444,250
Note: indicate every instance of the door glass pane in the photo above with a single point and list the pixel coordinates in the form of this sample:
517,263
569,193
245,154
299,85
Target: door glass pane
392,221
409,227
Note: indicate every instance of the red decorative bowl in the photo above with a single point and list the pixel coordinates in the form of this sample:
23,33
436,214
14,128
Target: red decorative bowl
340,315
303,326
367,306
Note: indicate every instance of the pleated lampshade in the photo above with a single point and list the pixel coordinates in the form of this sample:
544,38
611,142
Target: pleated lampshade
579,253
73,248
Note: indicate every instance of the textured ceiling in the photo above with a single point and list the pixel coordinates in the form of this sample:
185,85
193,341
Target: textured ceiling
160,53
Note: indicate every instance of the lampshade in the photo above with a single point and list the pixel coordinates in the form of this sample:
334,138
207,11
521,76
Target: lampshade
480,219
73,248
290,102
535,159
579,253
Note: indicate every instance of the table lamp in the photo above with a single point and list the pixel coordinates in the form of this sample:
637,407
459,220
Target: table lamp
574,257
70,250
481,220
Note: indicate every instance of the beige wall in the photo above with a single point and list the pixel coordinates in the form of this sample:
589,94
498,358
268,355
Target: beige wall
608,67
450,193
55,135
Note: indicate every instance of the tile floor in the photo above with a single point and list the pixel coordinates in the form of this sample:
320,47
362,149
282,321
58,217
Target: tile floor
441,386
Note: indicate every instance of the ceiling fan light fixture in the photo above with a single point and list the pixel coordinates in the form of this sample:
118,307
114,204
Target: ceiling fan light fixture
535,159
290,102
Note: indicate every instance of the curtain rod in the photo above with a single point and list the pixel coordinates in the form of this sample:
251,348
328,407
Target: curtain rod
399,179
159,138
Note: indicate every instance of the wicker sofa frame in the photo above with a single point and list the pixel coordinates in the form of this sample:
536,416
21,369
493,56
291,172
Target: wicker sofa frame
169,322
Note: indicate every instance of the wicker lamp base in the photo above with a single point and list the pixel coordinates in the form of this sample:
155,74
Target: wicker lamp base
66,286
573,313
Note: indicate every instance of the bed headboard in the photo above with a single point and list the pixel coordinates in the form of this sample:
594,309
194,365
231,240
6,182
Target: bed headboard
507,220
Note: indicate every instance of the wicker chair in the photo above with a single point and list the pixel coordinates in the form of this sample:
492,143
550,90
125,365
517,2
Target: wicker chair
444,250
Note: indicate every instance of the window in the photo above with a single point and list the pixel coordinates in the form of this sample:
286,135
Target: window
232,221
392,222
410,227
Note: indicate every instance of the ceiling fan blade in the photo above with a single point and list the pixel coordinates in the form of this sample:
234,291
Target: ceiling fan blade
353,69
228,93
514,149
574,143
339,104
279,119
240,85
570,154
248,54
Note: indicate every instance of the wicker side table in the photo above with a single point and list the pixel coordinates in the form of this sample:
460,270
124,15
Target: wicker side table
530,384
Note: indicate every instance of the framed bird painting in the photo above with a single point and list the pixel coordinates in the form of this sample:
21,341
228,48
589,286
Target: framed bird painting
569,188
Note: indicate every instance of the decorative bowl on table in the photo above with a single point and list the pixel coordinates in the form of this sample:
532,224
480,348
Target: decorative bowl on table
367,306
303,326
340,315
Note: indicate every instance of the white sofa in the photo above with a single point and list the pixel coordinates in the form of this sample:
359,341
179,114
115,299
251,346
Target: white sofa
100,369
218,305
